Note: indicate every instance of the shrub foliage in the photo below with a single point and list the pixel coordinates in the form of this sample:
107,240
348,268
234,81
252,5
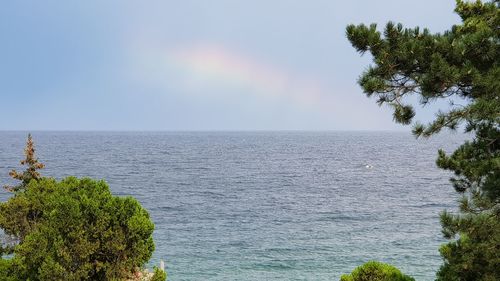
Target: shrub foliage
376,271
76,230
73,229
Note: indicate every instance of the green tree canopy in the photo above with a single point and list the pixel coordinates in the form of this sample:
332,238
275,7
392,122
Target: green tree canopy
75,229
376,271
462,66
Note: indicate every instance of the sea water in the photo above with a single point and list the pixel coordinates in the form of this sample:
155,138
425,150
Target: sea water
266,205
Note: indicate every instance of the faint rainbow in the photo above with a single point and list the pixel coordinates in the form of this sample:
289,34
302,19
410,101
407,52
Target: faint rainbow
234,69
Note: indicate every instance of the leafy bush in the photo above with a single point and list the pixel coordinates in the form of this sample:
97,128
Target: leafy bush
5,271
376,271
75,229
159,275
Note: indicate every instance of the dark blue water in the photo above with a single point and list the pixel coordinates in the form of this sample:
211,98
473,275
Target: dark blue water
267,205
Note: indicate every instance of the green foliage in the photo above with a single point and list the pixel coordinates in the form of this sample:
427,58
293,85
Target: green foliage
460,64
472,256
71,230
376,271
75,229
5,271
158,275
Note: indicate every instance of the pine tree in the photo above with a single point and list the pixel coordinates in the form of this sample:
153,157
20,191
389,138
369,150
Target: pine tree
73,229
461,65
31,172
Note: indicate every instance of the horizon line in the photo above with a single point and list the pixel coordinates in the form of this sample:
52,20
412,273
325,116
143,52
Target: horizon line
203,130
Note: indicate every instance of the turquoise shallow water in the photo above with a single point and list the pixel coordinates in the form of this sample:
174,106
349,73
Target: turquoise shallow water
267,205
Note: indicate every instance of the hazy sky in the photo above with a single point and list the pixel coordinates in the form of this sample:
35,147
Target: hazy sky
194,65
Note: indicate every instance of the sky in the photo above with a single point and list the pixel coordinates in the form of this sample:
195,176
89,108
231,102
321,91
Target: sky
195,65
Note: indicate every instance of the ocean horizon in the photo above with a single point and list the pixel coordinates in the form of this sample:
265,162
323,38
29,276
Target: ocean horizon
266,205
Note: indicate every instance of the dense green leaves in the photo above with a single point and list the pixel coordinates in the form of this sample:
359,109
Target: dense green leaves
6,273
76,230
476,165
72,229
462,66
159,275
376,271
475,255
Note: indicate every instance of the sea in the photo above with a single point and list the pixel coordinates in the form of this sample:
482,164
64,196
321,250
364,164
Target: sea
285,205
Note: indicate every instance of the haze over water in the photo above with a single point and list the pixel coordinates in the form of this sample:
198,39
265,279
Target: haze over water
267,205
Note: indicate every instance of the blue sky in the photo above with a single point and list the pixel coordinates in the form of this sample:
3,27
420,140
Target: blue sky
194,65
